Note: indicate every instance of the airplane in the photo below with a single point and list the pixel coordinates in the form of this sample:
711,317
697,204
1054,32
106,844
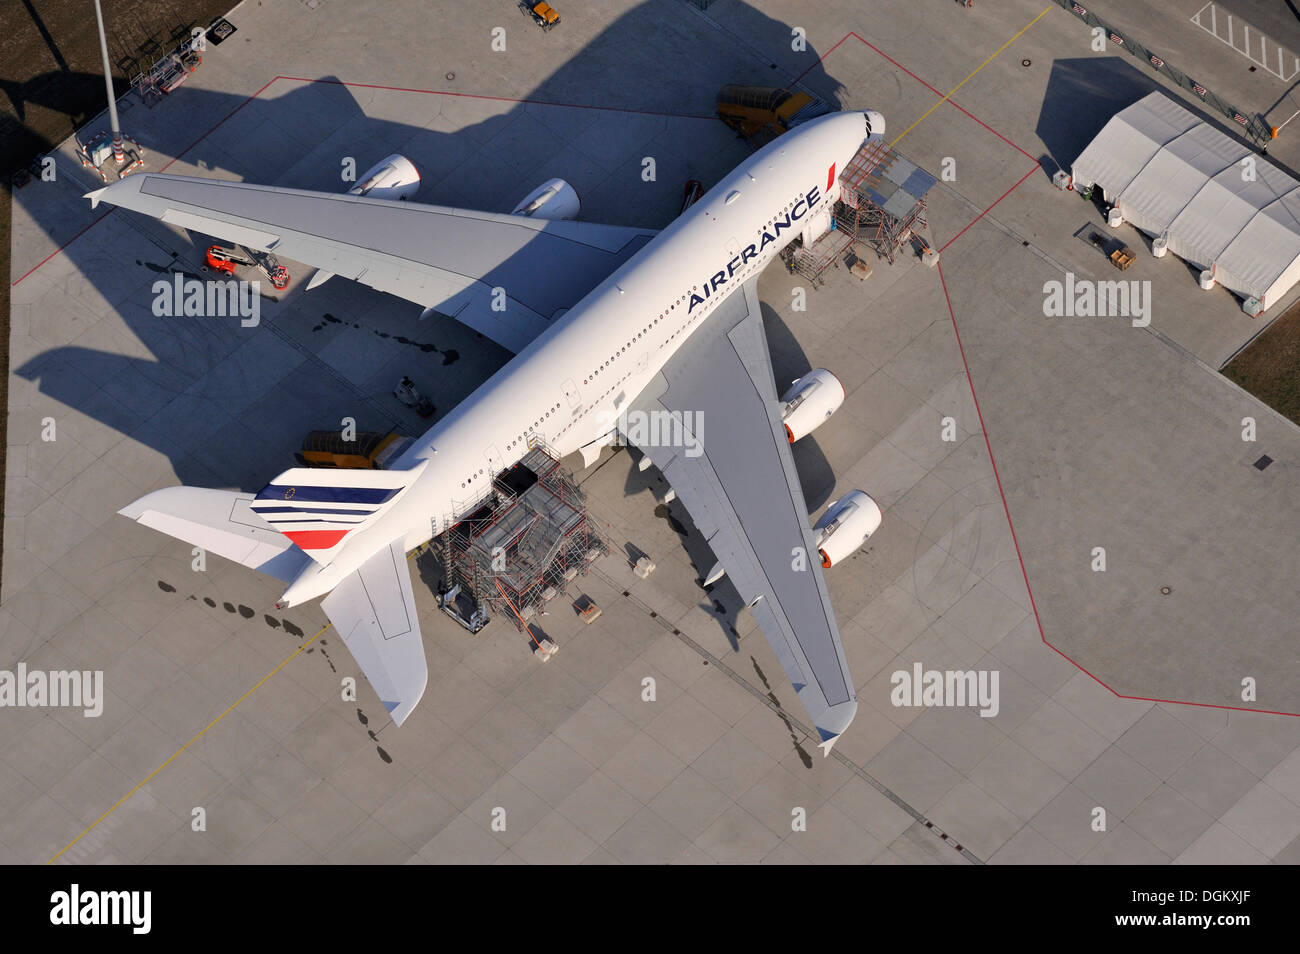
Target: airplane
611,327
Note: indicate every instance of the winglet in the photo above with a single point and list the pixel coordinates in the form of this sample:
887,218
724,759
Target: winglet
828,741
95,196
841,715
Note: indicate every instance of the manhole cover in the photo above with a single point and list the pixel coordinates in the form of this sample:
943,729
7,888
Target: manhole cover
1263,462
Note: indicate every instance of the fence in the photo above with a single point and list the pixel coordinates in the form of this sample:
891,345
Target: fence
1252,127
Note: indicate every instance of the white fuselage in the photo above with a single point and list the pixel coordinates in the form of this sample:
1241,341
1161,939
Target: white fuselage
569,386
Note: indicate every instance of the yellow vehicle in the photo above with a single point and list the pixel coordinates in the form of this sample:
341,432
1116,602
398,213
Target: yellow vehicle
543,14
765,112
371,450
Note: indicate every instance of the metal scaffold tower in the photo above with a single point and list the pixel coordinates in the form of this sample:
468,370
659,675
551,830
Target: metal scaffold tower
811,261
529,537
882,204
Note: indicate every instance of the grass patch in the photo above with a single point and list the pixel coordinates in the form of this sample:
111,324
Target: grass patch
1270,367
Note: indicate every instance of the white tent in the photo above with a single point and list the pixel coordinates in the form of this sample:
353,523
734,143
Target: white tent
1169,172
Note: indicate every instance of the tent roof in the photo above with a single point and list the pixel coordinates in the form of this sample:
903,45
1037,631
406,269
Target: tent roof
1170,172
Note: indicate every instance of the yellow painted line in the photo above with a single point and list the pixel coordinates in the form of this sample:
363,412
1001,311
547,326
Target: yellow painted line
953,91
229,709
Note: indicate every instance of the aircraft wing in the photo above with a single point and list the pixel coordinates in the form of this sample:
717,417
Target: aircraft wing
373,610
448,260
730,465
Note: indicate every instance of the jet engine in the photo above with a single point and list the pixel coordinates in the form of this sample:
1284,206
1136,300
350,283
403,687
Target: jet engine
552,200
846,525
394,178
810,401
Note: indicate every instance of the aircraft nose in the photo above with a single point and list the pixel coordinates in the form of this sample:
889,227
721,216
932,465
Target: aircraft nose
875,122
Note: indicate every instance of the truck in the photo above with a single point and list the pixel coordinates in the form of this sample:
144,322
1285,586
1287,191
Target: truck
543,14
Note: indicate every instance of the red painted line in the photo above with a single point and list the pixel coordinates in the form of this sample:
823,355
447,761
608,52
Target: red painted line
538,102
399,89
1016,542
990,208
163,169
953,102
821,59
62,247
219,122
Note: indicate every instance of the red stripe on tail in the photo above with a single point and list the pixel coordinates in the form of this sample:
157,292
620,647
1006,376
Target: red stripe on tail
830,178
316,539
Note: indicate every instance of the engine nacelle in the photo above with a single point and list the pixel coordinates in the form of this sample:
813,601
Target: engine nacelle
394,178
846,525
810,401
552,200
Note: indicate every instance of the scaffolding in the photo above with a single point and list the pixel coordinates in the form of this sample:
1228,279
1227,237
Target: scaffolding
881,207
811,261
529,536
882,203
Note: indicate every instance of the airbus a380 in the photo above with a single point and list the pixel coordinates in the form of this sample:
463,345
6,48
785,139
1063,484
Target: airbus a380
610,325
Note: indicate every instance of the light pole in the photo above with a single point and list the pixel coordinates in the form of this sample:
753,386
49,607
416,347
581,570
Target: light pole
119,154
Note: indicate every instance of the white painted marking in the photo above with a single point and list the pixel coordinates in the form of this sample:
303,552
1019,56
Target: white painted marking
1281,71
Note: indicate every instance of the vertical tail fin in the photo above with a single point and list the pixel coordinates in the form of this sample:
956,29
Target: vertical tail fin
317,508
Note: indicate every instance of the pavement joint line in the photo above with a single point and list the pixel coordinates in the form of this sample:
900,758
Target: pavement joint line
315,360
969,76
229,709
794,722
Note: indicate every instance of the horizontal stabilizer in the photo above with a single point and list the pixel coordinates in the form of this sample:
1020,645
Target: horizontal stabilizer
221,522
373,610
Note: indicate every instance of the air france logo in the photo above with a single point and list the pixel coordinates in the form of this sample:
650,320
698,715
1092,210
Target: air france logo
802,206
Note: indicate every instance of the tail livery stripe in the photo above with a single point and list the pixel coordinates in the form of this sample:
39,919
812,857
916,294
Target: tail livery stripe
830,177
357,495
316,539
318,509
336,522
355,513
